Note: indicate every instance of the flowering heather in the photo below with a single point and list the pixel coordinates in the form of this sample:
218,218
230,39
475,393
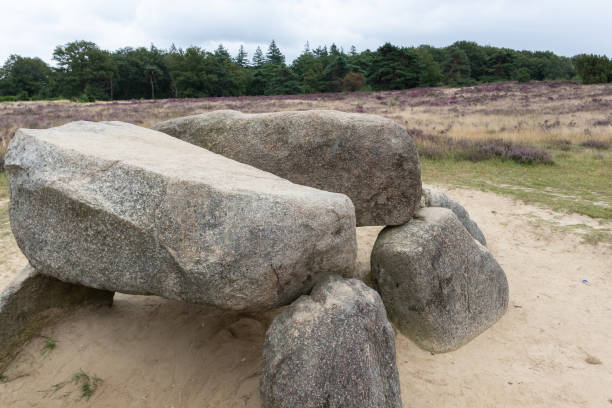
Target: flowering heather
603,122
559,144
507,151
596,144
534,114
440,147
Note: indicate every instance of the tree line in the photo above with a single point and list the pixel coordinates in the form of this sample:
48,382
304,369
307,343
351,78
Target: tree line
85,72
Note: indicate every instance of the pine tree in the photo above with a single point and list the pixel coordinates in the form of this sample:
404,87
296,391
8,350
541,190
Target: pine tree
335,71
242,57
430,71
457,67
501,64
394,68
592,68
477,57
222,52
274,55
258,58
321,51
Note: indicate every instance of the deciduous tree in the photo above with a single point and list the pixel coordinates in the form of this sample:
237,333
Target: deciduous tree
86,69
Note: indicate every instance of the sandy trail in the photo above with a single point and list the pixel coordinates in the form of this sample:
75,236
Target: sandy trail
552,348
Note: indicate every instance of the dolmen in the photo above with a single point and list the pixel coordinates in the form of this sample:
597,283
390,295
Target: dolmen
251,212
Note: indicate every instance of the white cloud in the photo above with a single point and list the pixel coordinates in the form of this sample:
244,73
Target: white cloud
35,27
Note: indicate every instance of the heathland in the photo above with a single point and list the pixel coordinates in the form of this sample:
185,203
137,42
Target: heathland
531,162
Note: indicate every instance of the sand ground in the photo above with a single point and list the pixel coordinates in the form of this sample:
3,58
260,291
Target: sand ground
553,348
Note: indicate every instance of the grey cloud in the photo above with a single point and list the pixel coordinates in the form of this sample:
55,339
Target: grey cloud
35,27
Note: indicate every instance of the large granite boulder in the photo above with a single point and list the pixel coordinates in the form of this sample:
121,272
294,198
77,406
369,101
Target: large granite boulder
369,158
32,301
118,207
334,348
434,197
440,286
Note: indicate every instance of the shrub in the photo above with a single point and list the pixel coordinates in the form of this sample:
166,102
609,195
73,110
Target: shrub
596,144
603,122
353,81
503,150
522,75
22,96
559,144
592,69
440,147
432,152
84,98
529,155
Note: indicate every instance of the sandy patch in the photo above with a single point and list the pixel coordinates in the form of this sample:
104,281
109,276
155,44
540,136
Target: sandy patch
11,258
552,348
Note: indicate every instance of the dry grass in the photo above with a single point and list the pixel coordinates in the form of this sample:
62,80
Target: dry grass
3,146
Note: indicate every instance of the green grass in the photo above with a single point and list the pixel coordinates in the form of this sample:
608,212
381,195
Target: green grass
578,182
49,345
88,385
595,237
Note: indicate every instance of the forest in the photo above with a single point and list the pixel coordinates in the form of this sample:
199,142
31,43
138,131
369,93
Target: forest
85,72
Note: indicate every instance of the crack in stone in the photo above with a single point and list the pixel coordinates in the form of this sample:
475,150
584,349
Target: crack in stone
278,282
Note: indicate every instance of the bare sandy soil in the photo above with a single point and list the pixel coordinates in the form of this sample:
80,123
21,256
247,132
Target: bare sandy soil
552,349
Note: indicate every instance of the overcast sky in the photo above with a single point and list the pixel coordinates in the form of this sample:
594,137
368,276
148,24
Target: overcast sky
34,27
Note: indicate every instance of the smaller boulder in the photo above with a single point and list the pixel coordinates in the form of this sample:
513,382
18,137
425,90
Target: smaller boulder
334,348
440,286
32,301
433,197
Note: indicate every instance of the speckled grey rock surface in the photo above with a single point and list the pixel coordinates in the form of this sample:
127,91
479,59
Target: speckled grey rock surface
334,348
31,301
434,197
369,158
118,207
440,286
